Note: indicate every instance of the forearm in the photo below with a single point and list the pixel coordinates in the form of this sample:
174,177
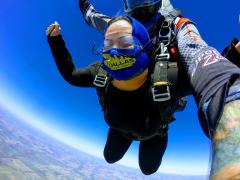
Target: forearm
226,144
78,77
61,56
95,19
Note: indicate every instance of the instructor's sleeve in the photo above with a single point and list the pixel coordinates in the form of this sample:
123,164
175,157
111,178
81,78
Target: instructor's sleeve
82,77
209,73
95,19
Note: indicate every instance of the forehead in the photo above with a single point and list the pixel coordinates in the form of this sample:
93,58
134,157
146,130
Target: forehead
119,27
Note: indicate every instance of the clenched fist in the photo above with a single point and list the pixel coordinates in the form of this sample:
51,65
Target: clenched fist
53,30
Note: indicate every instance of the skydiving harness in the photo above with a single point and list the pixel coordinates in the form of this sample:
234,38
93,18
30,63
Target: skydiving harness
162,71
160,82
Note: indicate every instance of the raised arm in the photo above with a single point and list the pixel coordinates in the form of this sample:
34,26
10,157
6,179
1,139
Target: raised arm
82,77
95,19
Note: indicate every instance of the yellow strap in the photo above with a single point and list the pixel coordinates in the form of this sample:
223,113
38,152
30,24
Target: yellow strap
161,83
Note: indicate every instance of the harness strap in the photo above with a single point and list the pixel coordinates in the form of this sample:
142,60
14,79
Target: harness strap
160,82
101,78
160,85
101,83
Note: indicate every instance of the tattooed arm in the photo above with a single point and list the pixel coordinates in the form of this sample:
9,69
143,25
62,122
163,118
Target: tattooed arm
226,144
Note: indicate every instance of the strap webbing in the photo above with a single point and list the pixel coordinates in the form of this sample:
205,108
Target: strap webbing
101,83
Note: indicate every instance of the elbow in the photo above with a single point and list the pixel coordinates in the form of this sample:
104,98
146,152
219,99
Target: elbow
79,82
71,80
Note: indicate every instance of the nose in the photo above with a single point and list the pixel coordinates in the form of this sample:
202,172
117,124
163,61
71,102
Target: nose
114,52
115,45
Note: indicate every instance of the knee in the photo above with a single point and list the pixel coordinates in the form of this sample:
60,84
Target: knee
111,157
110,161
148,169
150,165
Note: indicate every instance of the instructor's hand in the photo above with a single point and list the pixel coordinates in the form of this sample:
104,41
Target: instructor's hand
53,30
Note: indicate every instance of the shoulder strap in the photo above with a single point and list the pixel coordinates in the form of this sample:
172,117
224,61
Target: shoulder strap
164,77
160,83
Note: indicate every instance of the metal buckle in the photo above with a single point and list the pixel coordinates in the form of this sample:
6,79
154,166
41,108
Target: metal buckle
165,40
165,33
161,93
162,57
100,80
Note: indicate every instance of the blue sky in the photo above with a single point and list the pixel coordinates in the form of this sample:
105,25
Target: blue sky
32,88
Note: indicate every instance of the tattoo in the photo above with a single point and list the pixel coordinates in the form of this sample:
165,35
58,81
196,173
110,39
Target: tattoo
226,139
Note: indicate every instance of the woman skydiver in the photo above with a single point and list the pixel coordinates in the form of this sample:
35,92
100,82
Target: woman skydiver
214,80
128,107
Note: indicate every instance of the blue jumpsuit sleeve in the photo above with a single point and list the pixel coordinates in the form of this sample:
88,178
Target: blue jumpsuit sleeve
93,18
209,73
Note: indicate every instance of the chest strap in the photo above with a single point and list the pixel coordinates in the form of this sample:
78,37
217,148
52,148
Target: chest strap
101,83
160,83
101,78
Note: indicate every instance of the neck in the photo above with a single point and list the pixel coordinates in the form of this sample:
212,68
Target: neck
132,84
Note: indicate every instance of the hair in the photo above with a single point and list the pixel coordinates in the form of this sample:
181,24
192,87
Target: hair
118,18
